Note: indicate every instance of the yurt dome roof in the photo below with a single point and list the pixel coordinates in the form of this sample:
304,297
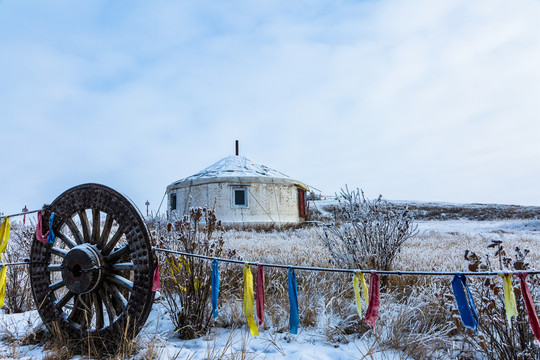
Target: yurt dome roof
236,169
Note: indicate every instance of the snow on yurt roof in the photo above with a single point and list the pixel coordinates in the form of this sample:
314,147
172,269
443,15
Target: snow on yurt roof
236,168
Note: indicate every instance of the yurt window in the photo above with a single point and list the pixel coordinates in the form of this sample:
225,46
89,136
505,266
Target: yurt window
239,197
173,201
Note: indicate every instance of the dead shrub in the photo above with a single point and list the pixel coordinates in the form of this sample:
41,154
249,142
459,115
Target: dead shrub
18,292
371,232
497,339
186,281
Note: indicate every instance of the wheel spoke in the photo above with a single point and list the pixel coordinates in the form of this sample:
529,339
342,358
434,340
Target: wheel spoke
96,225
123,266
70,243
57,285
117,295
111,314
112,243
106,231
118,301
85,226
112,258
76,233
55,267
64,300
98,305
59,252
86,318
120,281
76,311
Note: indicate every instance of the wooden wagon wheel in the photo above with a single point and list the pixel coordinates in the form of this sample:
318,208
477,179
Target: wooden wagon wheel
95,281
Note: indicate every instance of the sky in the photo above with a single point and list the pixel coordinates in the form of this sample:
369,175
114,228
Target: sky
415,100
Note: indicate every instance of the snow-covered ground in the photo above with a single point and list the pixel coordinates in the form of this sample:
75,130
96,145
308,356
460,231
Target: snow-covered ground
157,341
482,227
309,344
444,241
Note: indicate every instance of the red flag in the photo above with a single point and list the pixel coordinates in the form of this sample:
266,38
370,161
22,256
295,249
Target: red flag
372,312
39,229
533,318
156,283
260,294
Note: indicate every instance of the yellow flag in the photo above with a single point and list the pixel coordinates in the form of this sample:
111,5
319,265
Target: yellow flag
4,235
248,300
509,297
360,277
357,293
3,279
364,288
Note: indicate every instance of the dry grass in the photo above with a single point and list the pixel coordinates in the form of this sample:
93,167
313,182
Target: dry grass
414,315
444,249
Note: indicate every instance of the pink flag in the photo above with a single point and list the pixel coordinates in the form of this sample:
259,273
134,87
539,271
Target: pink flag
39,229
372,312
533,318
260,294
156,283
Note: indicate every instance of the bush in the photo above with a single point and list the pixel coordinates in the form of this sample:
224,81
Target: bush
186,281
18,292
371,232
496,338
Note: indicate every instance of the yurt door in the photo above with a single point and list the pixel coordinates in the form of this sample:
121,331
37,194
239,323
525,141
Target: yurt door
301,203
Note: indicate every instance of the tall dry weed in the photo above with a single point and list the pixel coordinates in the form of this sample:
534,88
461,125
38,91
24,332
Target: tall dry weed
186,281
18,296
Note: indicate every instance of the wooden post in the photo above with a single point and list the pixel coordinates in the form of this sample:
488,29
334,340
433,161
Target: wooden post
25,209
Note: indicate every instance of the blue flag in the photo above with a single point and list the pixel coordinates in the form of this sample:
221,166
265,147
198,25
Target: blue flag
215,287
465,302
50,236
293,303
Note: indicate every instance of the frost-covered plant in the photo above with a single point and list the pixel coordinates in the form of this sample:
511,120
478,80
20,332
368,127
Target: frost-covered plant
417,324
371,232
18,294
186,281
496,338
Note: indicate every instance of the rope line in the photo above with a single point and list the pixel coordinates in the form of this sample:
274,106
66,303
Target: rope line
353,271
15,263
20,214
312,268
161,203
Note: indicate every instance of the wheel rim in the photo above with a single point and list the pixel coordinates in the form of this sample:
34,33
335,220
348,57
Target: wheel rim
96,279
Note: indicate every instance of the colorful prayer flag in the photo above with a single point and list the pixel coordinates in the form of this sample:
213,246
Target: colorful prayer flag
39,229
3,278
156,281
372,312
531,311
4,235
248,300
294,319
509,297
215,288
356,279
465,302
260,294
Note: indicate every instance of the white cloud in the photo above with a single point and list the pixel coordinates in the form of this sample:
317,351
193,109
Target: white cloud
413,99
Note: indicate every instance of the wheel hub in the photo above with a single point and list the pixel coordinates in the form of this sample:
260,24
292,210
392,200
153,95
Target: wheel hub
82,269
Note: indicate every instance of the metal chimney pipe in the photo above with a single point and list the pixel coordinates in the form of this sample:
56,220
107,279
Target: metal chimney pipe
237,152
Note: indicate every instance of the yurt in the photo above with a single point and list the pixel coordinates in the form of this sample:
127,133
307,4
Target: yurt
243,194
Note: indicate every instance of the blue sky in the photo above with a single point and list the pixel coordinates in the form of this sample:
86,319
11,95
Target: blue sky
415,100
